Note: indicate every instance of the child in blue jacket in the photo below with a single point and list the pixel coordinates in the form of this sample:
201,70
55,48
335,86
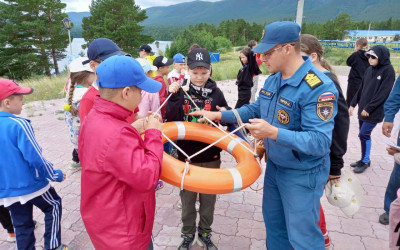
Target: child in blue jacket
25,173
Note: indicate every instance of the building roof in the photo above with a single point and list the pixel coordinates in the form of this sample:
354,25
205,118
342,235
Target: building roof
373,32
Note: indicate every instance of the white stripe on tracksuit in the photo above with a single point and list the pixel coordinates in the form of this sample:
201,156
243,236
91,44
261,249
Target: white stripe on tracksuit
56,219
30,134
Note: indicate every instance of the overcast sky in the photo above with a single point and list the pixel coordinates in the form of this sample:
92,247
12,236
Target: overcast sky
83,5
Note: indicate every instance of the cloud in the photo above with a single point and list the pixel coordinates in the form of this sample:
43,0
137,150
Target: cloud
83,5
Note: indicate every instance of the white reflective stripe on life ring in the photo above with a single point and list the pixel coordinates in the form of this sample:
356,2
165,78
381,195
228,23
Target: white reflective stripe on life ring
233,144
237,179
181,130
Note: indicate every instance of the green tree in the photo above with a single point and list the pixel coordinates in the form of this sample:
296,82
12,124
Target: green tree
117,20
30,35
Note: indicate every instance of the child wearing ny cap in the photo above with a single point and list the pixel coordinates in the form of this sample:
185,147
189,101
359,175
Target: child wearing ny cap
82,77
178,74
25,175
120,169
205,93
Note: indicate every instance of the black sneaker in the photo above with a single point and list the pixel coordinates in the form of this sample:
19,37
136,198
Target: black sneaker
384,218
187,242
205,241
361,168
356,164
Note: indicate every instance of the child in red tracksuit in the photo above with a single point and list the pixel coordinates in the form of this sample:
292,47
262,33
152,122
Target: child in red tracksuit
119,169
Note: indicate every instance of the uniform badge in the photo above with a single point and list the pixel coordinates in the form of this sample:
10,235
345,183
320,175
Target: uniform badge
283,116
326,97
266,93
285,102
312,80
325,110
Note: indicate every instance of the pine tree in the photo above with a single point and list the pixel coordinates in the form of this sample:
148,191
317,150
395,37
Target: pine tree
117,20
30,33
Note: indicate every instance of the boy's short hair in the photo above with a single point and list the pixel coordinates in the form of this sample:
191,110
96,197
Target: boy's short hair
251,44
362,42
123,71
199,58
8,88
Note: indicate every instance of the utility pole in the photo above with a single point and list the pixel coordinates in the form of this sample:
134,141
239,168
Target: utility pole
299,16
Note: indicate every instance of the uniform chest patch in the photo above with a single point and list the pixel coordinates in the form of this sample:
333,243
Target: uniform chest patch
326,97
283,116
325,110
266,93
312,80
285,102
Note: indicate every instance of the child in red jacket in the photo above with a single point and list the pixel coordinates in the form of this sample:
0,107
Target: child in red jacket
119,169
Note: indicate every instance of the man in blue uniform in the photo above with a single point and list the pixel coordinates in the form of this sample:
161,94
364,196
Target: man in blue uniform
294,115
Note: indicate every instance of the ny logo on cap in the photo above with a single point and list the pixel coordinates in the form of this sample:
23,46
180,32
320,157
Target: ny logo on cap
164,60
199,56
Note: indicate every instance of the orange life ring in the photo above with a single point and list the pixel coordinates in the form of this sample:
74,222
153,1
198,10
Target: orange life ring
209,180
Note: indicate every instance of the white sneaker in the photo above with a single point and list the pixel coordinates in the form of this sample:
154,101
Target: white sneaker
11,238
74,165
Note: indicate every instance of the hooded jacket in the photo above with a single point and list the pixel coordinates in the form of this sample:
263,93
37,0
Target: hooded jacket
358,63
119,175
247,71
178,108
376,86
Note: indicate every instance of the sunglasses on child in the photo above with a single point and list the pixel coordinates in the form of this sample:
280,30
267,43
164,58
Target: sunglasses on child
371,56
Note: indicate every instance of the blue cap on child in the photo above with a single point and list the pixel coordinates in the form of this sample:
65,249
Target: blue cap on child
123,71
179,58
278,33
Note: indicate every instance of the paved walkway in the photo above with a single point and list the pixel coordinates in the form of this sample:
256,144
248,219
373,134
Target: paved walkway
238,222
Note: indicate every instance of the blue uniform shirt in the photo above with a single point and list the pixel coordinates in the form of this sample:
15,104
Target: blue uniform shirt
392,104
303,109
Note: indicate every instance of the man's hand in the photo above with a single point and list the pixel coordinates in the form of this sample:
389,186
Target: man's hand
64,176
212,115
261,129
351,111
220,108
387,128
364,113
391,150
174,87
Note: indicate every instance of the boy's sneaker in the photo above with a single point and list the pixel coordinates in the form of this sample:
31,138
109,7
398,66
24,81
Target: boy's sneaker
205,241
356,164
384,218
11,238
361,168
65,247
187,242
74,165
160,185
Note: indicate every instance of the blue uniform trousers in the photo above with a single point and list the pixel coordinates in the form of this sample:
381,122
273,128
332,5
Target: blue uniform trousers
50,204
291,204
393,185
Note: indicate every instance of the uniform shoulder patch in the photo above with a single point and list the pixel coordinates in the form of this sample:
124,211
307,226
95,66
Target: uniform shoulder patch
326,97
312,79
325,110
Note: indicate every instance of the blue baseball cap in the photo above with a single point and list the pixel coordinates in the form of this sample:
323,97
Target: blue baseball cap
123,71
102,48
179,58
278,33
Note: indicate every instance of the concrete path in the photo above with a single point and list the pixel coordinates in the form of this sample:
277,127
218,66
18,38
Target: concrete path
238,222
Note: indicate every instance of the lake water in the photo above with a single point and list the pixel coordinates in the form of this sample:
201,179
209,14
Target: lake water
77,49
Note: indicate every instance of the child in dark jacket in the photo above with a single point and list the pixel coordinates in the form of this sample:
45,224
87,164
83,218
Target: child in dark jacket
375,88
25,173
207,96
358,63
245,76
